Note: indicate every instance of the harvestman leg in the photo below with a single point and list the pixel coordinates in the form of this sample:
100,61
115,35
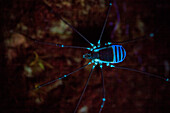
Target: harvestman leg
60,45
57,45
103,89
84,88
133,40
110,5
136,39
102,78
64,76
57,15
146,73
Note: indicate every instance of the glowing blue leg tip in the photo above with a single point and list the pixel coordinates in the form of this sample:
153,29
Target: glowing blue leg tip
94,47
104,99
109,43
101,106
99,42
90,49
167,79
62,45
152,35
112,66
110,4
92,44
65,75
101,66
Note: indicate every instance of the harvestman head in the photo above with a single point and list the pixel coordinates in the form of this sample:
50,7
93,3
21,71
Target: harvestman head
108,55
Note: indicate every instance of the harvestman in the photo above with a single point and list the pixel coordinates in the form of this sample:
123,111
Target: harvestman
109,55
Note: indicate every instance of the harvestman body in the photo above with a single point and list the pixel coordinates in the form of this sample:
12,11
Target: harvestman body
109,55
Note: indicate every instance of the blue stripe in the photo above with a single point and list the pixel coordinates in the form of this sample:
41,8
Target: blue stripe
121,53
117,53
114,59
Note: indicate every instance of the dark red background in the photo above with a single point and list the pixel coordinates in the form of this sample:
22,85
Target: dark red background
126,91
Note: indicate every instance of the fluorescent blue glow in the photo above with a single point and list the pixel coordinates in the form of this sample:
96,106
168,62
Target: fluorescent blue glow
104,99
110,4
112,66
151,34
89,48
114,58
96,50
109,43
121,53
96,60
99,42
65,75
167,79
62,45
117,53
91,44
94,47
101,66
101,106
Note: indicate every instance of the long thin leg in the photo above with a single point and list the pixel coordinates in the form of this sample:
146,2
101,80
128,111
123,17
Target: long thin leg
118,19
58,45
62,77
149,74
149,35
84,89
103,90
76,31
133,40
57,15
110,5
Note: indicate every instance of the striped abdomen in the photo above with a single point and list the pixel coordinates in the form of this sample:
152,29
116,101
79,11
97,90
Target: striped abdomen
112,54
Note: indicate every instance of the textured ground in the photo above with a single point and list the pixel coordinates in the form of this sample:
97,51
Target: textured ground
25,65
